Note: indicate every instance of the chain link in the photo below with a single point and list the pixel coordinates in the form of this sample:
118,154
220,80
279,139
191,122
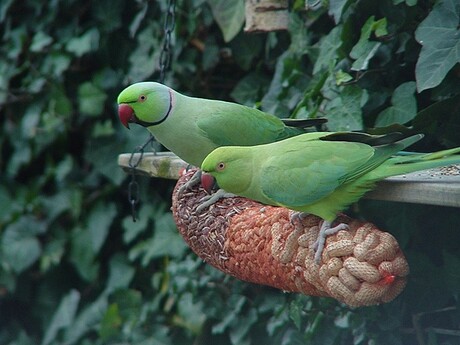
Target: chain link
165,63
168,28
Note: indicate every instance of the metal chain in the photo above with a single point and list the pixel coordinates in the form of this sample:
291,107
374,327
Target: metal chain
133,186
168,28
165,63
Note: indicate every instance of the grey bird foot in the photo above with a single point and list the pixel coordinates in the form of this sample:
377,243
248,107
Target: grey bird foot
297,217
194,180
209,200
325,231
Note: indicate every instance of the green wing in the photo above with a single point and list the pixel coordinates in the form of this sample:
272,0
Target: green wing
369,139
301,173
227,124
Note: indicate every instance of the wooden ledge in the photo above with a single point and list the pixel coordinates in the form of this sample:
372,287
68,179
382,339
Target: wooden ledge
432,187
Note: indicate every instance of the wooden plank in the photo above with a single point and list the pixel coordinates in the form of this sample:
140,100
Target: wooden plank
266,15
161,164
433,187
442,194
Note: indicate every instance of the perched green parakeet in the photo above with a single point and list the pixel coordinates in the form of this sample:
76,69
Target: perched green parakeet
193,127
311,175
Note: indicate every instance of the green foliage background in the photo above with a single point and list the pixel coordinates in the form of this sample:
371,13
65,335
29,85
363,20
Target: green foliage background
75,269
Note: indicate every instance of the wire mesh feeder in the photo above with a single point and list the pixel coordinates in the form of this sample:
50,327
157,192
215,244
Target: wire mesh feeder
257,243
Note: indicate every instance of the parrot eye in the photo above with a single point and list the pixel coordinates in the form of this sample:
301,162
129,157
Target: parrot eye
142,98
220,166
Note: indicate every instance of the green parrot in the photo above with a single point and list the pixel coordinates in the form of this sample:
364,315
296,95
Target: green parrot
315,176
193,127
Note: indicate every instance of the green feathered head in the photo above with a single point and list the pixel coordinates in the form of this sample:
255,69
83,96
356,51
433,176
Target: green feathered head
231,166
147,104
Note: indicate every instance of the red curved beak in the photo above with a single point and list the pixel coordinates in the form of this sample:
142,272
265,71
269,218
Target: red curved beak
126,114
207,182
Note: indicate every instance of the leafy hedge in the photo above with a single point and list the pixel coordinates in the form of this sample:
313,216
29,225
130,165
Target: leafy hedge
75,269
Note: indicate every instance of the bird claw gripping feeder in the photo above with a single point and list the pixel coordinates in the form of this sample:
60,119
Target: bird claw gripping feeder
260,244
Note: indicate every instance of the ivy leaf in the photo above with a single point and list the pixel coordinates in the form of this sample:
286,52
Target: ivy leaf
57,204
380,27
135,24
40,41
108,14
131,229
295,313
403,108
229,15
63,316
86,320
123,312
287,87
165,241
7,280
336,8
52,254
246,48
439,36
110,323
409,3
87,42
99,223
270,102
21,156
82,254
248,89
103,155
191,313
102,152
365,50
55,64
344,112
239,331
121,273
441,118
368,51
210,55
237,303
148,50
129,302
342,77
7,205
103,129
91,99
328,49
4,6
20,246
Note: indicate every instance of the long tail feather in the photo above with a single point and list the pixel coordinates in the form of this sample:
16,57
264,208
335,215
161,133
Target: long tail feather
406,164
